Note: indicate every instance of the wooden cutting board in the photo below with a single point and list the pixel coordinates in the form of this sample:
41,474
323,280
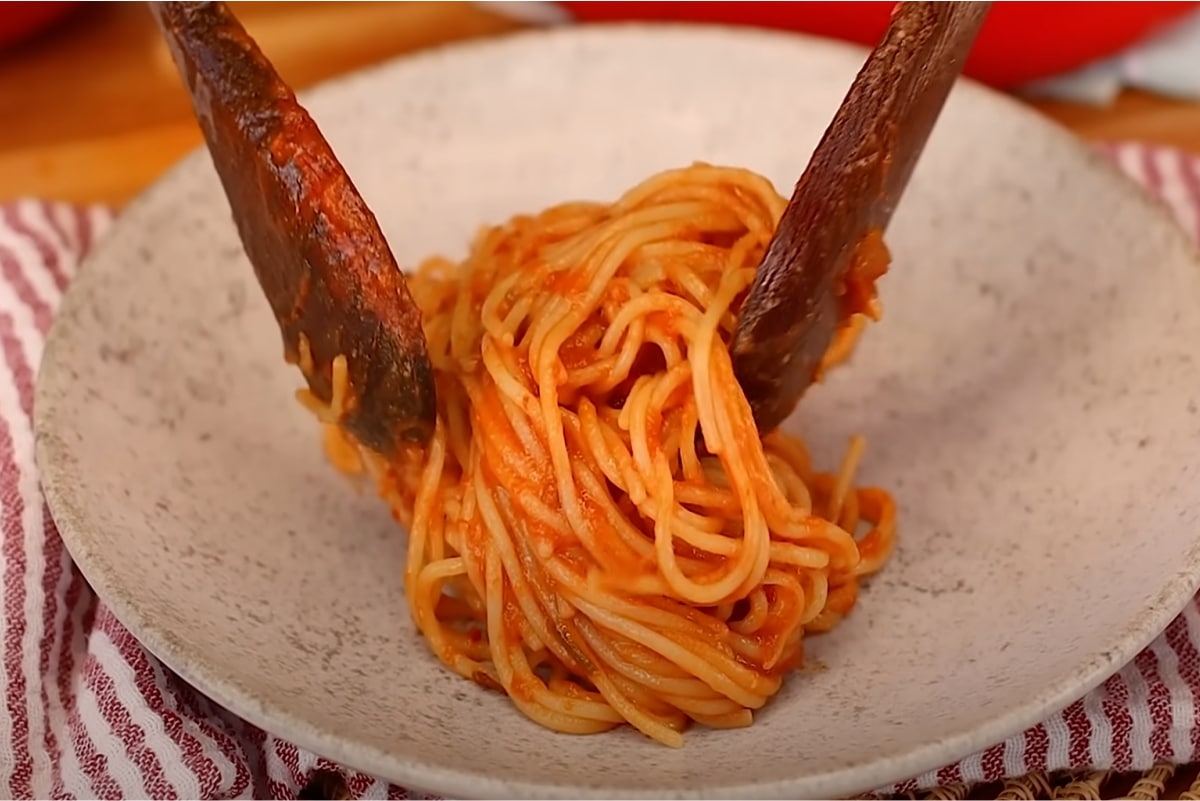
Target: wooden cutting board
92,111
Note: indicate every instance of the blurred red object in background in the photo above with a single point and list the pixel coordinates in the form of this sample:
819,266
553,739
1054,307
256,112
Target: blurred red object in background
1020,42
19,21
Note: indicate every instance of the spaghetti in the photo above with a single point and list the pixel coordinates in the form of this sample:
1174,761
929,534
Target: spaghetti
597,529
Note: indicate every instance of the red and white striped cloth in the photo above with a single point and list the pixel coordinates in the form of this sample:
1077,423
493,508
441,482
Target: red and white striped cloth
86,713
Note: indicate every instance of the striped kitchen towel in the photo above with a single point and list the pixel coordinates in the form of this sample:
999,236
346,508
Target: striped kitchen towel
87,713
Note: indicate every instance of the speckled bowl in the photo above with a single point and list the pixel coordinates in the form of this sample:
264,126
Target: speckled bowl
1030,396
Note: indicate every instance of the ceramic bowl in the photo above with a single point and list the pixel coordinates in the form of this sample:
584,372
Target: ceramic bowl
1030,398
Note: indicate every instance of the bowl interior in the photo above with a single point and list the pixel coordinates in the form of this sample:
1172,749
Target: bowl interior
1029,397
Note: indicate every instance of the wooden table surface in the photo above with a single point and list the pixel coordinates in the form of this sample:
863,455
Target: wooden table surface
93,111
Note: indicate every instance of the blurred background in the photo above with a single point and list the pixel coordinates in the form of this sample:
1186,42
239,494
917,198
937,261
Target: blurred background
91,109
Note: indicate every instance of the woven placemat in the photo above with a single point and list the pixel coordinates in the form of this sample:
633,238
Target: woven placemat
1163,781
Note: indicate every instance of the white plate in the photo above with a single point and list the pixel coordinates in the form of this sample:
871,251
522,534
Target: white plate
1030,397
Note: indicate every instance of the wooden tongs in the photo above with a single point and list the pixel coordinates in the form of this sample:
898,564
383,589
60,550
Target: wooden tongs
845,199
334,284
318,251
